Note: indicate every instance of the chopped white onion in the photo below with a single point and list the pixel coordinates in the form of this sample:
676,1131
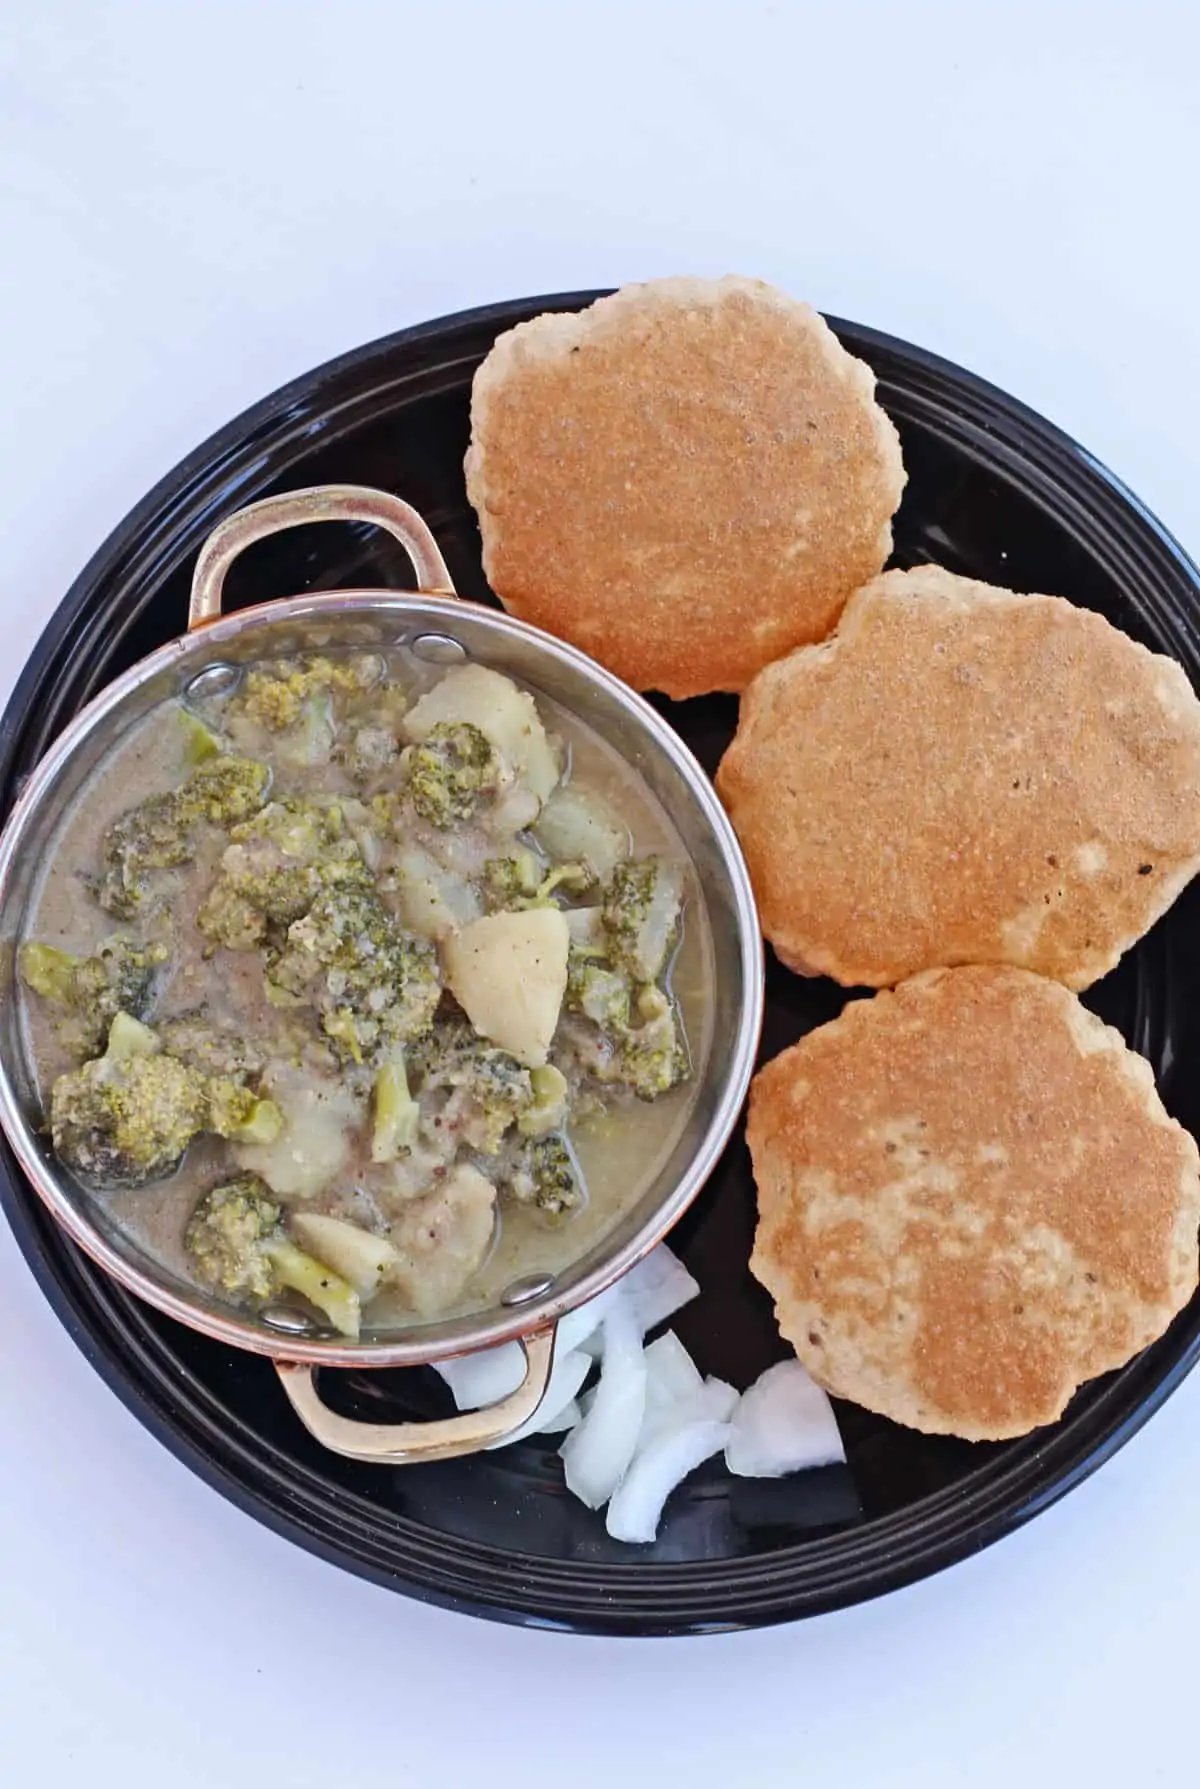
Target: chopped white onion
657,1287
566,1418
783,1423
483,1377
597,1452
585,1322
672,1376
492,1373
637,1503
719,1400
566,1378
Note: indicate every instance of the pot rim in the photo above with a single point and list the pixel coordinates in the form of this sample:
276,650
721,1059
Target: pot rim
497,1325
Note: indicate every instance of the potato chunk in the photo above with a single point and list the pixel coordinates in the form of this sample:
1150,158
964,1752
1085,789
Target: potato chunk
442,1239
508,972
319,1116
504,714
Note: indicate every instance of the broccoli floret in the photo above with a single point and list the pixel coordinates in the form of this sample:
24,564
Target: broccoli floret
127,1116
121,977
230,918
572,878
275,867
274,693
545,1176
194,1038
225,1234
374,984
237,1245
642,902
238,1114
396,1112
635,1041
149,838
551,1099
485,1090
223,791
158,834
508,881
651,1055
517,881
601,994
451,771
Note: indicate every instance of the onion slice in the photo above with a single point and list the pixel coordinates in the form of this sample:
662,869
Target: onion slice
719,1400
672,1376
596,1454
783,1423
492,1373
483,1377
586,1321
566,1379
637,1503
564,1419
657,1287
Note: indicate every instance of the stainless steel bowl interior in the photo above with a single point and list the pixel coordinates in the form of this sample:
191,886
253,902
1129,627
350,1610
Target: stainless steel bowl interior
630,725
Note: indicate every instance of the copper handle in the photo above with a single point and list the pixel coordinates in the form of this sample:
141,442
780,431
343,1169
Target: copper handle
404,1444
321,503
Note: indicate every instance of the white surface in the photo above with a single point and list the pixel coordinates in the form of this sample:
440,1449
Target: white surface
198,201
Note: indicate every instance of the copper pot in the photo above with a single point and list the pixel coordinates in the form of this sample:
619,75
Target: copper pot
441,627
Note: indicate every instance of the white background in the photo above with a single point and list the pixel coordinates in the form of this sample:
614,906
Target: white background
199,201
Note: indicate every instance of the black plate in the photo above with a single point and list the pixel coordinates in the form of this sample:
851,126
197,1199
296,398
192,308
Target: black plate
994,492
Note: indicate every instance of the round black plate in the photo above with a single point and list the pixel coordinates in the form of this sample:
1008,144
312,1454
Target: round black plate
994,492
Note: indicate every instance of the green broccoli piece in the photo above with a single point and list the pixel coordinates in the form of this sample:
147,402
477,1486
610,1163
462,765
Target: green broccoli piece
545,1176
223,791
127,1116
229,918
396,1112
274,693
551,1100
224,1237
601,994
374,985
197,1040
275,867
484,1090
199,742
572,878
237,1245
238,1114
149,838
128,1037
636,1040
451,771
509,881
122,976
642,902
651,1055
158,834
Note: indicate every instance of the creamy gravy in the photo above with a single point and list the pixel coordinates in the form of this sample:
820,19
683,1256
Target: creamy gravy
619,1152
